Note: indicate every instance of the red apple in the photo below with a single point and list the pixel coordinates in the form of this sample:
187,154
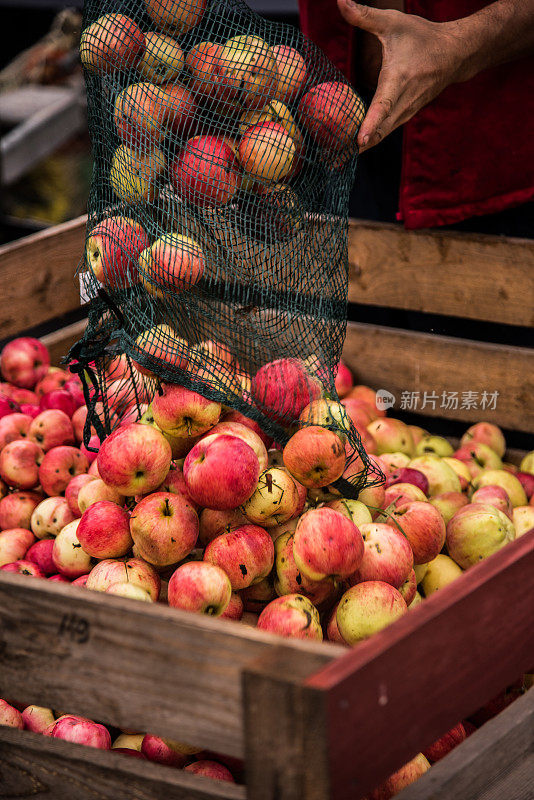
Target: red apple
292,616
439,749
182,412
210,769
221,473
131,570
387,556
283,388
59,579
40,554
68,555
164,527
487,433
95,491
292,72
246,434
315,456
332,114
234,609
206,171
113,42
12,427
19,464
402,493
213,523
37,718
423,526
24,362
478,456
73,489
165,751
408,589
104,530
23,567
16,509
527,482
80,730
51,428
54,379
402,778
495,496
237,416
408,475
58,399
14,544
112,251
200,586
58,466
327,544
135,459
344,380
289,579
176,17
10,716
8,406
267,151
174,263
175,483
246,554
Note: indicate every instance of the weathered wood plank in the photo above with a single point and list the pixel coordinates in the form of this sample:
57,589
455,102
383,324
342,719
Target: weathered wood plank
37,276
37,766
402,361
401,689
496,762
442,272
59,342
137,666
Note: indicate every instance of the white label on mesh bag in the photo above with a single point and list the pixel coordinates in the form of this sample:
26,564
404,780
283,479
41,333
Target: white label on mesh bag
85,283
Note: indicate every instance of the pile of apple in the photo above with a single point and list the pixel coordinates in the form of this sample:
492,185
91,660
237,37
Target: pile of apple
222,117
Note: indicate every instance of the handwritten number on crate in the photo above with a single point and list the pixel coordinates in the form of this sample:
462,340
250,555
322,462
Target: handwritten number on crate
75,628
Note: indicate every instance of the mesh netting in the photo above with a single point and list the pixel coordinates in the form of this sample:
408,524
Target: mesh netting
224,152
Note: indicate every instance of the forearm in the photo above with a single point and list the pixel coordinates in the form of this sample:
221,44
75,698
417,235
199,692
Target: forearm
501,32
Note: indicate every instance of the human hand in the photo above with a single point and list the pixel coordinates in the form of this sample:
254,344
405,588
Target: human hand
419,59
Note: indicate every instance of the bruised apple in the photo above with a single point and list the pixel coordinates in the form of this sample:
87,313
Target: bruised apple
293,616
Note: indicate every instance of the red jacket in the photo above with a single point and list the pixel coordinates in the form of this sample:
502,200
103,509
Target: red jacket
469,152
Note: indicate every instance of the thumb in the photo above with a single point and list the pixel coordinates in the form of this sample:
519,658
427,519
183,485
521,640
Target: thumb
364,17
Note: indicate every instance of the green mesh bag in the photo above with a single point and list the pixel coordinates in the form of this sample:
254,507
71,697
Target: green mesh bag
216,259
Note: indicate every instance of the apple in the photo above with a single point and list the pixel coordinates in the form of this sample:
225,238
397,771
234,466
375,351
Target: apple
275,499
441,571
50,516
372,496
441,477
267,151
37,719
16,509
448,504
523,519
104,530
504,479
417,600
315,456
210,769
59,399
221,472
130,741
292,75
131,570
326,414
175,17
401,493
112,42
8,406
73,489
393,462
391,436
402,778
78,423
58,466
359,412
164,527
75,389
200,586
476,532
408,475
135,177
68,555
24,362
282,389
59,579
130,590
14,544
366,608
434,444
442,746
234,609
256,596
478,456
487,433
23,567
354,510
24,397
332,630
246,554
81,581
175,483
423,526
134,459
95,491
289,579
29,410
163,59
408,589
19,464
293,616
213,523
274,112
206,171
462,470
40,553
237,416
494,495
245,433
182,412
527,463
51,428
527,482
10,716
54,379
80,730
248,71
112,249
387,556
14,426
166,751
174,263
332,113
327,544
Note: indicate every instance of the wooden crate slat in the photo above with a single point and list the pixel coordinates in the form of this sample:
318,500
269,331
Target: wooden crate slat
37,276
413,681
403,361
441,272
137,666
495,763
38,766
59,342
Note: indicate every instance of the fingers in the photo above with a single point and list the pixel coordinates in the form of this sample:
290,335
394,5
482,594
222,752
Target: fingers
381,117
364,17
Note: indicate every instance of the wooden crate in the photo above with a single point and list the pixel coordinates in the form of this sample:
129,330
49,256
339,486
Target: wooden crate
314,721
